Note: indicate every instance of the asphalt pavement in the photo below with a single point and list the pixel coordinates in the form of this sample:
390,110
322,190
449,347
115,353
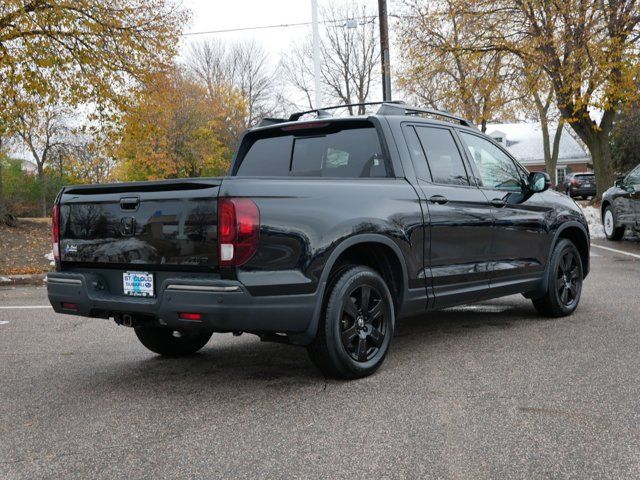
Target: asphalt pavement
483,391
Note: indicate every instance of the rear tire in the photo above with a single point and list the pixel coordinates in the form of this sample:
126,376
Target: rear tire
564,282
356,325
172,343
611,231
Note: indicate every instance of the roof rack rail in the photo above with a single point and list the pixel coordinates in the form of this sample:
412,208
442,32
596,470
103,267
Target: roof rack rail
323,112
386,108
394,108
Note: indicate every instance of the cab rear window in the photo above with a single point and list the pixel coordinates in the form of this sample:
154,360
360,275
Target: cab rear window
351,152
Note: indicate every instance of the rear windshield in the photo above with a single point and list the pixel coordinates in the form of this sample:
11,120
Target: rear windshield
585,176
331,151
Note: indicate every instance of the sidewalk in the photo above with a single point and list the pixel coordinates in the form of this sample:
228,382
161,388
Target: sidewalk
13,280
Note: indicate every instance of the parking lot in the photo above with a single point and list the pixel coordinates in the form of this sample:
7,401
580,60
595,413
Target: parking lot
482,391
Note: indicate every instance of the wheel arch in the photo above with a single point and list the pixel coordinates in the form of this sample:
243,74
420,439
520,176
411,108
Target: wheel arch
579,236
382,254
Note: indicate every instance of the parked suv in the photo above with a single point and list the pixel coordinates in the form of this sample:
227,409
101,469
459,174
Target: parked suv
325,232
581,185
621,206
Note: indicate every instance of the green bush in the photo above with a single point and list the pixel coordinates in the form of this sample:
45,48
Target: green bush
23,191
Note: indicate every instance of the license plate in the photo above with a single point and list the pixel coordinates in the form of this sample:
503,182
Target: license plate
138,284
587,185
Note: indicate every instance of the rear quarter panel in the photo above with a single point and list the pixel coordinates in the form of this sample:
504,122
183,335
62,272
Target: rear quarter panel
303,220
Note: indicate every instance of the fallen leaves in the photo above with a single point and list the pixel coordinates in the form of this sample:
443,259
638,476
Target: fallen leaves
24,247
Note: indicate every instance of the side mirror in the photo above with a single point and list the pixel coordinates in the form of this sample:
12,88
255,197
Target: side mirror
539,182
619,182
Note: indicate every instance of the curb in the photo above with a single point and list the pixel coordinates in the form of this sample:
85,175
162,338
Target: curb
13,280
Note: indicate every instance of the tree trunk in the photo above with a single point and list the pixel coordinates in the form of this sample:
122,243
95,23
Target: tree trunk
2,207
546,146
6,218
43,195
3,210
601,158
552,162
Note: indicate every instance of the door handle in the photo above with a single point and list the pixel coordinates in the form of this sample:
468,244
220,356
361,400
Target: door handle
498,202
439,199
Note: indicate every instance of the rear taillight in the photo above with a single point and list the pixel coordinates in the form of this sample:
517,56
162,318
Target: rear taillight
55,231
238,230
574,181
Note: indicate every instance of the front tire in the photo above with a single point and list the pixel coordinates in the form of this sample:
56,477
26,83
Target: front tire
564,282
172,343
356,326
611,231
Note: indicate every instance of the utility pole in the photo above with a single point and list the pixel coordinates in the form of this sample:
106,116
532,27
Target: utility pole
316,52
384,51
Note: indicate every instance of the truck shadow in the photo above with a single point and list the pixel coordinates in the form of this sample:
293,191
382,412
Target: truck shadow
248,363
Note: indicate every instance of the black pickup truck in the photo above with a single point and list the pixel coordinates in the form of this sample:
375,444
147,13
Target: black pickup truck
324,233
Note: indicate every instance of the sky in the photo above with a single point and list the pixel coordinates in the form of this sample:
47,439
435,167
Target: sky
210,15
215,15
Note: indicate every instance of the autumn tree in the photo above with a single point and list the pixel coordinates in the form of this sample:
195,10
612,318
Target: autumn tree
296,68
88,158
174,129
537,102
243,65
439,71
81,51
45,132
5,217
625,140
587,48
350,56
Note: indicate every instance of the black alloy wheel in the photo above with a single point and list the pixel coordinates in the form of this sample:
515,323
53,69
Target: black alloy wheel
363,325
564,281
568,279
356,325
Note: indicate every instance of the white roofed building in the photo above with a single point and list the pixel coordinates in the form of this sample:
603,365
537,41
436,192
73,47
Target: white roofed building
524,141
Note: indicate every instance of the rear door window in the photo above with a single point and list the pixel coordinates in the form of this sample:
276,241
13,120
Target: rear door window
442,155
346,153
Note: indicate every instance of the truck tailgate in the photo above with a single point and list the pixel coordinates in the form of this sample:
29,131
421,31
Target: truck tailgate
154,224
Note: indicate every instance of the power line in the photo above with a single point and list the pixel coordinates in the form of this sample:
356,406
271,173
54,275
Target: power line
282,25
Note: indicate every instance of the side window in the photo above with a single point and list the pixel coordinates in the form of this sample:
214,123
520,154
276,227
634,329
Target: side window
634,177
496,169
561,174
350,153
417,154
443,158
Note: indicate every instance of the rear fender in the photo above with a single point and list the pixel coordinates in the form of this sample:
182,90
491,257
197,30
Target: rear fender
308,336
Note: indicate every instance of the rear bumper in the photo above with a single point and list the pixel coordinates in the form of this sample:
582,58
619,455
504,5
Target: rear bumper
224,305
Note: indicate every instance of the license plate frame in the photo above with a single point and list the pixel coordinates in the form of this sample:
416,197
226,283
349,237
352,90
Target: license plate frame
138,284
